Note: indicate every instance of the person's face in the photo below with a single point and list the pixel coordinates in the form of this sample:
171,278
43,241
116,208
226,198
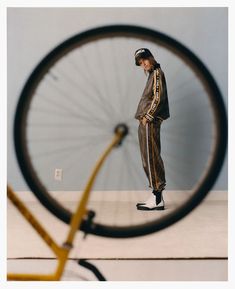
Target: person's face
145,64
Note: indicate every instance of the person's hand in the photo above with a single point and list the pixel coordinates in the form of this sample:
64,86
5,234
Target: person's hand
144,121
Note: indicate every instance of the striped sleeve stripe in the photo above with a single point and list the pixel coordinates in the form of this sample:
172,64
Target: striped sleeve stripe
156,98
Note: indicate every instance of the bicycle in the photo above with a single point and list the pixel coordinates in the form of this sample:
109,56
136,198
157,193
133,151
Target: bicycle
54,109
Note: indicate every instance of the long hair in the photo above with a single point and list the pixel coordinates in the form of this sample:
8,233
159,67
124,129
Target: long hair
153,63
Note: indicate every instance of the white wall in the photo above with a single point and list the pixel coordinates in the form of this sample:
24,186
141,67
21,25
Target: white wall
32,32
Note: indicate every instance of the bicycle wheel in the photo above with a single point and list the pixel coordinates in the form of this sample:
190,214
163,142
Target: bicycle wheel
80,92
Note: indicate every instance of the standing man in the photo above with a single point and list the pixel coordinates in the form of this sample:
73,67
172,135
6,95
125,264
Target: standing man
152,110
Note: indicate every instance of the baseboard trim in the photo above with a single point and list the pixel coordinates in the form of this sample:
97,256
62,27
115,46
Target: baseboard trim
27,196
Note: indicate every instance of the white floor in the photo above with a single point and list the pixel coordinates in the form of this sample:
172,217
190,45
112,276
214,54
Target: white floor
194,249
131,270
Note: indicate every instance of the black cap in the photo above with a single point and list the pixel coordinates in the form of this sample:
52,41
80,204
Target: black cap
142,53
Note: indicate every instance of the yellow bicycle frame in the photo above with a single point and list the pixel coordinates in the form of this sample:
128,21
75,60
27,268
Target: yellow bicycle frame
61,252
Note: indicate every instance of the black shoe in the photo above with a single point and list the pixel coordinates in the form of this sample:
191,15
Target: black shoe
140,204
155,202
146,207
158,195
152,197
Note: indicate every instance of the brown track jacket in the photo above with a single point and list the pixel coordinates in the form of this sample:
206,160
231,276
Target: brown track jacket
154,101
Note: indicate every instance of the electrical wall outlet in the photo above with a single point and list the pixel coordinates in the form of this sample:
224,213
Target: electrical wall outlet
58,174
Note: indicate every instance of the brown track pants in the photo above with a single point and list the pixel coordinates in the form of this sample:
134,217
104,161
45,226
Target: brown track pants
150,149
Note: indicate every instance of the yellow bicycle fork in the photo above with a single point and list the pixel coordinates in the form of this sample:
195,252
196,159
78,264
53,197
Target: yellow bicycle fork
62,252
